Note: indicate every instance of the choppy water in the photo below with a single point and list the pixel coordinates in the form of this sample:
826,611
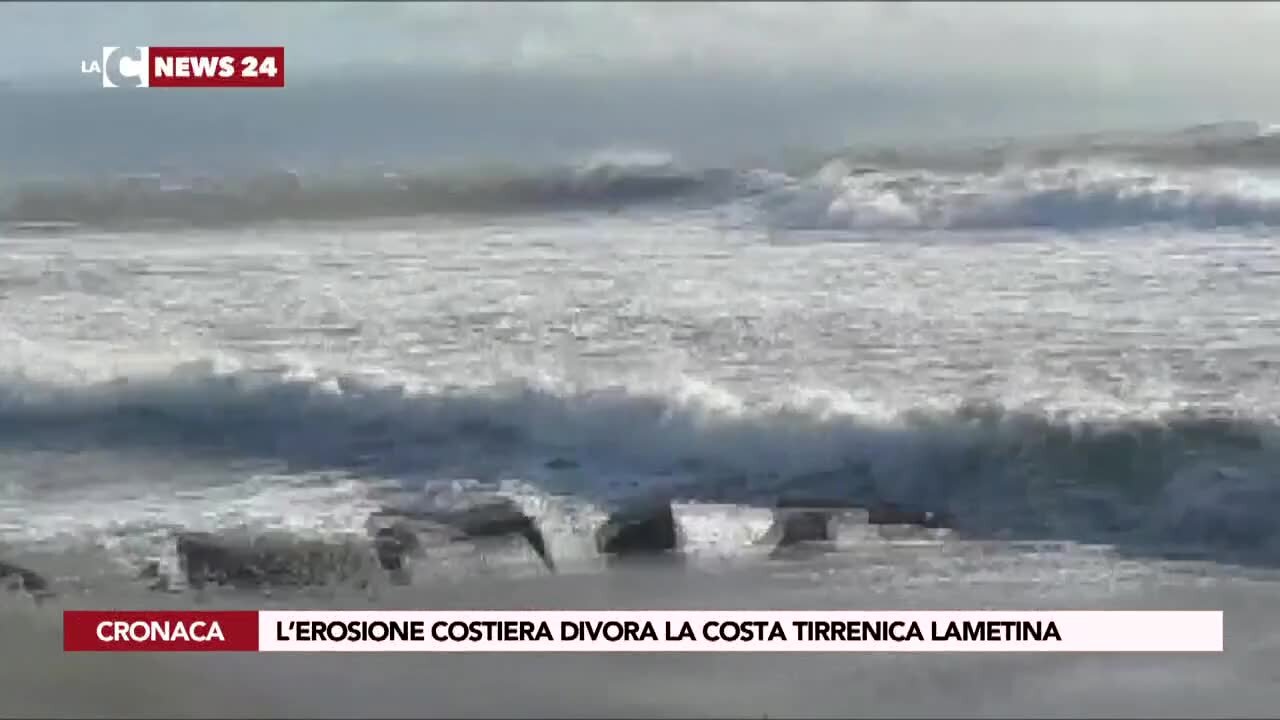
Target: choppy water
1080,362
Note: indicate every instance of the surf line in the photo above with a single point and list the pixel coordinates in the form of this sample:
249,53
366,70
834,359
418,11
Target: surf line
903,631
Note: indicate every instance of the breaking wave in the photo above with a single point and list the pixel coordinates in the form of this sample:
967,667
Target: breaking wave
1062,198
1194,478
1224,175
604,181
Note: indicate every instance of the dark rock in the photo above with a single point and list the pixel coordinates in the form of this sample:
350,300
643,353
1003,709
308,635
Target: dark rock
392,544
640,529
268,560
885,513
20,578
801,519
150,571
561,464
799,526
499,517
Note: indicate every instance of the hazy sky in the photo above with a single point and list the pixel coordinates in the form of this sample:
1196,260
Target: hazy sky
1113,45
864,67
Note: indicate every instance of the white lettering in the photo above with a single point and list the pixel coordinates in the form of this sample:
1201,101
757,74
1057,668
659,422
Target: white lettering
205,66
267,66
157,631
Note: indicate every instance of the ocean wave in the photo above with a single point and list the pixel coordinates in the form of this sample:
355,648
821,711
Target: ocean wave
837,197
605,181
1192,477
1240,145
1207,176
1221,175
1063,198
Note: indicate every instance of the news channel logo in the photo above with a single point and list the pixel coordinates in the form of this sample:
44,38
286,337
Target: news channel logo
120,67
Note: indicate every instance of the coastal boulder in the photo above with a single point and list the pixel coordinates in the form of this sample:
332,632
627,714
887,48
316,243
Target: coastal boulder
392,544
797,526
886,513
18,578
639,529
269,560
490,518
806,519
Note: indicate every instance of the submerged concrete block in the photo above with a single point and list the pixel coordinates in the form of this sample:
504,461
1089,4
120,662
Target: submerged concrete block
639,529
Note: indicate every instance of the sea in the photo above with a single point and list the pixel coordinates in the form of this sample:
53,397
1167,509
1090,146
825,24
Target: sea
1069,345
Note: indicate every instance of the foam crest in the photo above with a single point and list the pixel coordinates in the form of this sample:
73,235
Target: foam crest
1078,197
998,467
1222,175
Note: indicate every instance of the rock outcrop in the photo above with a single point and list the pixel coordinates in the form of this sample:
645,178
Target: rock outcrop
495,518
639,529
392,544
18,578
797,526
802,519
270,560
886,513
